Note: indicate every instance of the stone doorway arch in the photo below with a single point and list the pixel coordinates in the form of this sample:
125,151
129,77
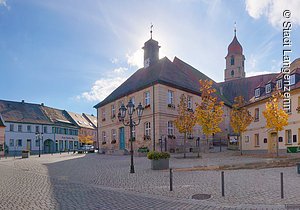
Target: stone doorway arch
49,146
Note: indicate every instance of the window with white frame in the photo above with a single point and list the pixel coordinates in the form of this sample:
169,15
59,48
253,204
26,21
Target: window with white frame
113,134
11,127
279,84
257,92
288,136
19,143
247,139
29,128
256,114
147,129
170,97
37,129
293,79
11,142
103,136
113,111
19,128
190,102
170,128
147,98
256,139
103,114
268,88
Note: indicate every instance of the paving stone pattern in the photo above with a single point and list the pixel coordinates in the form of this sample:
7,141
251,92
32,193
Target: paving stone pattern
93,181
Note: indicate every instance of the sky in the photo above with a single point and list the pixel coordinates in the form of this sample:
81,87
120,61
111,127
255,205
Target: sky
71,54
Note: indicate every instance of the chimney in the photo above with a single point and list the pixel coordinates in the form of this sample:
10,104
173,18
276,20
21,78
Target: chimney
23,101
42,104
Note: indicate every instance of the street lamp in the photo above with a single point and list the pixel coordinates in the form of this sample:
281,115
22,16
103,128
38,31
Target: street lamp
131,123
38,137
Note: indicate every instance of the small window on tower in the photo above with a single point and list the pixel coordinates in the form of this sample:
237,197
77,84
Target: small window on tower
232,60
232,73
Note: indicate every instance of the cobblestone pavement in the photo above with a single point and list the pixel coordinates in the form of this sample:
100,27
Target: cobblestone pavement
92,181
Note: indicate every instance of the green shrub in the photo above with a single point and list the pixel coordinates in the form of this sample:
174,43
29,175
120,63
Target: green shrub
143,149
158,155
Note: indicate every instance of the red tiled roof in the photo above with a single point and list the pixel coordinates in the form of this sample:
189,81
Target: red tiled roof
235,47
243,87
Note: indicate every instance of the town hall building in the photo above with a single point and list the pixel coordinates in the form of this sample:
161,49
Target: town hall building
159,85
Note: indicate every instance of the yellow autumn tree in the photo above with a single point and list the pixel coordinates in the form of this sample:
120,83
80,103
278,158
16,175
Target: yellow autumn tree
240,118
276,117
86,139
185,120
209,113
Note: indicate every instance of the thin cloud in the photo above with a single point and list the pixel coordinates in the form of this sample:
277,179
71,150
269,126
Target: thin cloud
101,89
4,4
135,59
120,70
104,86
273,10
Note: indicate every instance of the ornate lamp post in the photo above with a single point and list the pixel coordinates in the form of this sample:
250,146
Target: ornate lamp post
131,123
38,137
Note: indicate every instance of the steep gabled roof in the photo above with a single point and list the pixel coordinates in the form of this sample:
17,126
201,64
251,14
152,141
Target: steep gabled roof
176,74
23,112
80,120
91,118
244,87
58,117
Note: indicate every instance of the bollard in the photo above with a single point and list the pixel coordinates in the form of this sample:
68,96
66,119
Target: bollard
222,183
171,179
281,182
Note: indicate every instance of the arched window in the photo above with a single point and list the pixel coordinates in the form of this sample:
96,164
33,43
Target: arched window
232,60
232,73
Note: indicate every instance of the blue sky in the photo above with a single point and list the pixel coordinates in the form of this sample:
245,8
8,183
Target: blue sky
70,54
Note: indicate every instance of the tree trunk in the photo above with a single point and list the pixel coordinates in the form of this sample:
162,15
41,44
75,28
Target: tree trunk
241,143
184,145
277,144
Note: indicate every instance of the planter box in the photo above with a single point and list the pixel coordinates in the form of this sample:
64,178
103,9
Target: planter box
160,164
25,154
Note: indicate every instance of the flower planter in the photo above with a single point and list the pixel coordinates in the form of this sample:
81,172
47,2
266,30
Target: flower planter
25,154
160,164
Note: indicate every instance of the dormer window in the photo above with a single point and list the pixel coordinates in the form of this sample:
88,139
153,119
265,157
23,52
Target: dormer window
257,92
279,84
232,60
268,88
293,79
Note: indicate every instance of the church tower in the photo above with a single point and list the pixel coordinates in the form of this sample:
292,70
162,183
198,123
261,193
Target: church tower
151,51
234,60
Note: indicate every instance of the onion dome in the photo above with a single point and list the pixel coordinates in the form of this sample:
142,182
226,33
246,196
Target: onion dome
235,47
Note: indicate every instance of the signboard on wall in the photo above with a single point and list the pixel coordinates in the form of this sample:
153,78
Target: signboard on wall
293,149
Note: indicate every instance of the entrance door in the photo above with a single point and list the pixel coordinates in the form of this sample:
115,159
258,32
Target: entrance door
28,144
48,146
122,138
273,143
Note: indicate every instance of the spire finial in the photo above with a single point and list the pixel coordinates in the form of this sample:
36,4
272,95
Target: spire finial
151,27
234,28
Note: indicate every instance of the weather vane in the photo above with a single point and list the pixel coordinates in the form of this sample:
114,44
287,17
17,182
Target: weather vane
151,27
